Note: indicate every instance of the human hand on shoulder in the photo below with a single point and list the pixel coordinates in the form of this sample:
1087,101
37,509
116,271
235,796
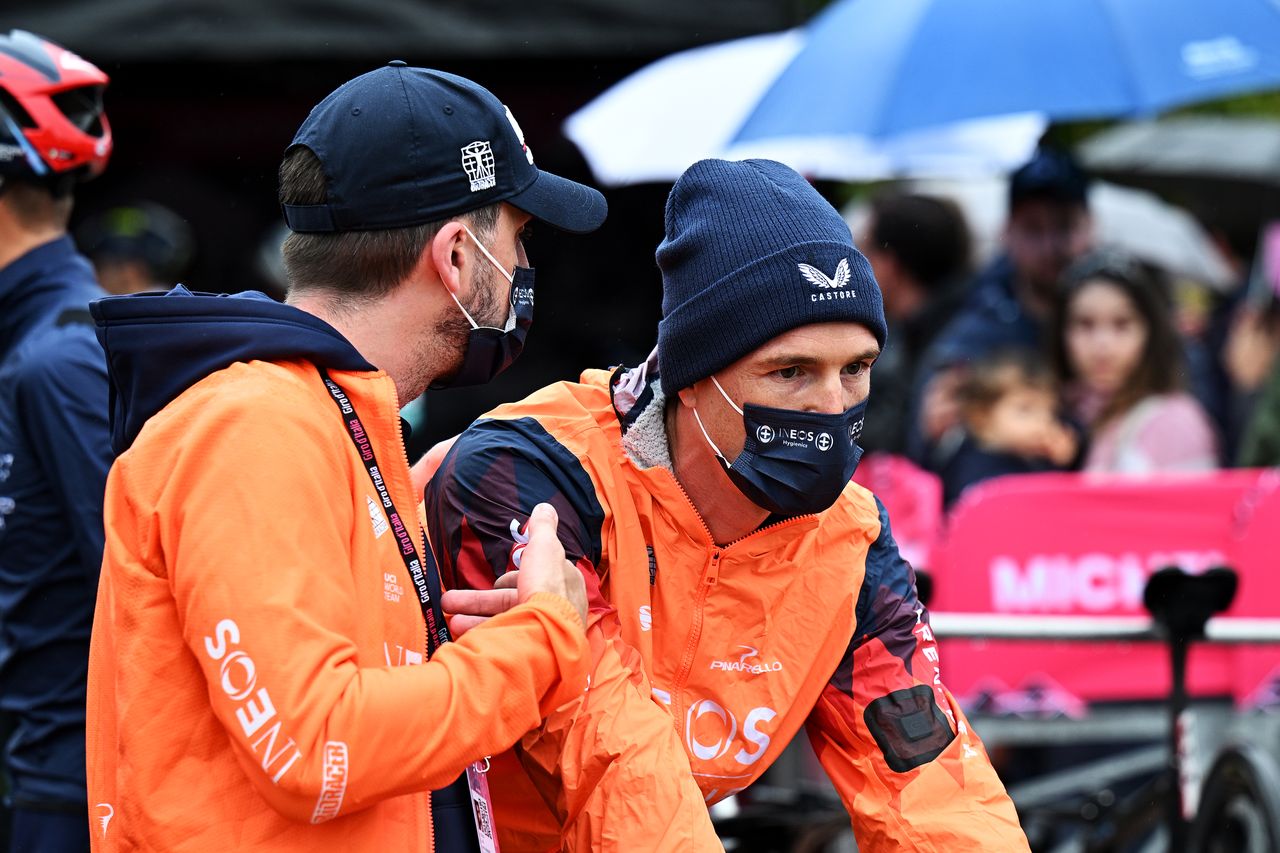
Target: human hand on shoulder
543,568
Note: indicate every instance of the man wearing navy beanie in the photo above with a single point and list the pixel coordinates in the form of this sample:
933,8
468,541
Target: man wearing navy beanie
740,585
751,251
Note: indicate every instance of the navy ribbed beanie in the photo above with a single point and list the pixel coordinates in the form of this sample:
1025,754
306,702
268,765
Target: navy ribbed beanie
752,251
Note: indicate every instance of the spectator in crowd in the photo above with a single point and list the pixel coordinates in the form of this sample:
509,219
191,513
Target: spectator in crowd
270,667
136,247
741,586
54,446
1009,412
1117,356
1008,304
1251,358
918,246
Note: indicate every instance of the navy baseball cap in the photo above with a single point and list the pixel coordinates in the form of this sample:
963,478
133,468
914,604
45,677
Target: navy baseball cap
1050,174
404,146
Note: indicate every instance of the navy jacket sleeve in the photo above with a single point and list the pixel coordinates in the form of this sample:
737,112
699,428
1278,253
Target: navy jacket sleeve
479,500
61,391
897,747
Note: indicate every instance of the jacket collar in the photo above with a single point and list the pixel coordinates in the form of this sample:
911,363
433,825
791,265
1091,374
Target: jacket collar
47,279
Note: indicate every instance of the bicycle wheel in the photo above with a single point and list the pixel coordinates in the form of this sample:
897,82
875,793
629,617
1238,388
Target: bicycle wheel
1239,805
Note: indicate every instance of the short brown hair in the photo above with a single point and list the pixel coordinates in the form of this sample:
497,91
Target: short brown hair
35,205
357,263
987,381
927,234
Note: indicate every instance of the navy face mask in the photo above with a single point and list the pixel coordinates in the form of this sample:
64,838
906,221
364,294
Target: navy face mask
793,462
489,350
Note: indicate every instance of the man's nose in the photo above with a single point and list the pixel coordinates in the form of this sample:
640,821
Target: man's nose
829,396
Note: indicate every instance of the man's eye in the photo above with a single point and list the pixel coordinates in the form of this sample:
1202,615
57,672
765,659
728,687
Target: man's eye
788,372
857,368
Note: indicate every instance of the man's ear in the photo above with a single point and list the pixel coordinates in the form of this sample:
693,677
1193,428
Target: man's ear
688,395
447,256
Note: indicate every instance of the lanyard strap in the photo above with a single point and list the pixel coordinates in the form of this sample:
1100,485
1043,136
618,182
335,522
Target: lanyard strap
426,582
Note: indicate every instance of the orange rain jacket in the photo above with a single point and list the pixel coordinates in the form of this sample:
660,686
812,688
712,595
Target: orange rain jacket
257,677
708,659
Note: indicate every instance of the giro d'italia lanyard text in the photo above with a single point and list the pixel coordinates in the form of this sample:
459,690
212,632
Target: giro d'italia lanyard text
426,578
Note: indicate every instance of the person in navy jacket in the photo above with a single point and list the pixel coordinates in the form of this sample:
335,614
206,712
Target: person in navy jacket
54,443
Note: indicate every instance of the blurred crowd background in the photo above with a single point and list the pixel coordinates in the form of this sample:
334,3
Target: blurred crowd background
1073,281
204,99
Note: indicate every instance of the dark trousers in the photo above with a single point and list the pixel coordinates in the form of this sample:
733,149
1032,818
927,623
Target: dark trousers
37,831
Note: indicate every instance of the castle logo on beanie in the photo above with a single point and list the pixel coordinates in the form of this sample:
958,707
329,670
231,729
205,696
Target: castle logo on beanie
744,260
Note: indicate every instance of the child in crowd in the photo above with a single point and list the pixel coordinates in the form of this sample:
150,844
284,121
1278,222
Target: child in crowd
1116,353
1008,408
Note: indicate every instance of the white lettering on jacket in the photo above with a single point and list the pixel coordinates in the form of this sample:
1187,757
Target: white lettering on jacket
238,678
712,741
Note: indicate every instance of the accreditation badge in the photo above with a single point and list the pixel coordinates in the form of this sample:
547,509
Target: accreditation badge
482,805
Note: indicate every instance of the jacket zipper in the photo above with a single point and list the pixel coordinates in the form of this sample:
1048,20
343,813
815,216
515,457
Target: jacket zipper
710,577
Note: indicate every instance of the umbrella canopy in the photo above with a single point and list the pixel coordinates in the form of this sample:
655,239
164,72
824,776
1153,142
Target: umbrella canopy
659,121
1230,148
880,67
1135,221
1225,169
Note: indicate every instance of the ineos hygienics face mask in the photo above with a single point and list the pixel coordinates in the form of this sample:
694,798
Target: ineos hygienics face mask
793,462
489,350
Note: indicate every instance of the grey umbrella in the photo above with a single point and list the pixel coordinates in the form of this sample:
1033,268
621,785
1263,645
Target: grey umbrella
1239,149
1226,170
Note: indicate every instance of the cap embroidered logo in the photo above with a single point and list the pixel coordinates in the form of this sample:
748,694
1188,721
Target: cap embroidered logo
515,125
477,159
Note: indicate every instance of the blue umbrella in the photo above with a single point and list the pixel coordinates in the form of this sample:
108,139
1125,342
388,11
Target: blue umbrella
878,67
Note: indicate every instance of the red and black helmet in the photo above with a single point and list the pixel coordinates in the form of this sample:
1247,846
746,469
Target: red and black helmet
52,127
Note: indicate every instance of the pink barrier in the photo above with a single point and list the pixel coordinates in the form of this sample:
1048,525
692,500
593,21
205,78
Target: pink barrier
1255,553
913,497
1067,544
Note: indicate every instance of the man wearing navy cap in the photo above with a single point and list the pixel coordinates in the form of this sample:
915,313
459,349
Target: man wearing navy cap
270,666
1008,304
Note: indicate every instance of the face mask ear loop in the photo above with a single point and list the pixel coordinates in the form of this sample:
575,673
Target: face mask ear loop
510,277
473,323
707,437
726,396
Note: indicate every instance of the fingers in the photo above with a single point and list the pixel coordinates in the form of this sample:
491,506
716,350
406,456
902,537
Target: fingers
459,625
544,551
543,522
509,580
478,602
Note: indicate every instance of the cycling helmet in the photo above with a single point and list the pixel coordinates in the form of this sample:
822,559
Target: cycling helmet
52,127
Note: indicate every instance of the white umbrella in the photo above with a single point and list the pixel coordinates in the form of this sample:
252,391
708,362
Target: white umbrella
1135,221
1236,148
656,123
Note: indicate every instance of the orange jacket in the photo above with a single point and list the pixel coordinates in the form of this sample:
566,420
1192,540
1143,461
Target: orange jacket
709,659
256,676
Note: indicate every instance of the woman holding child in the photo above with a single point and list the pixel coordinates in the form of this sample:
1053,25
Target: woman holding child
1115,369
